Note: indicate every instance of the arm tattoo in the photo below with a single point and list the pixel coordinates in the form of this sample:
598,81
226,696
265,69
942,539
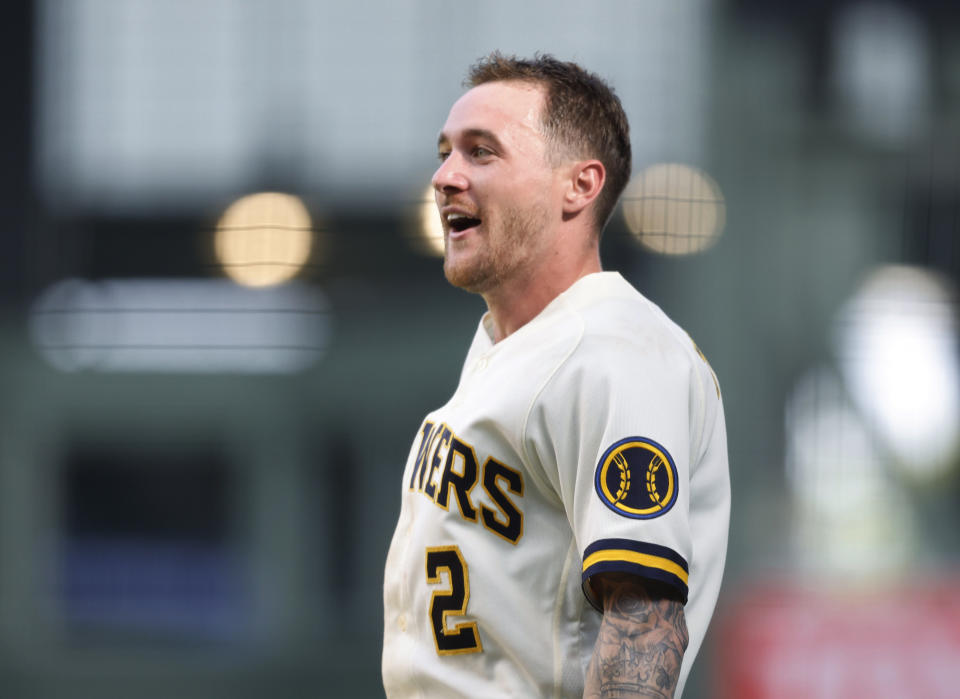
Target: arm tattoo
641,641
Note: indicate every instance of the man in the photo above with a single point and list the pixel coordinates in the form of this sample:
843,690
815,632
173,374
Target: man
563,523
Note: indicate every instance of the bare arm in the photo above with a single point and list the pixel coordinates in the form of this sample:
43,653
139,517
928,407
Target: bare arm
641,641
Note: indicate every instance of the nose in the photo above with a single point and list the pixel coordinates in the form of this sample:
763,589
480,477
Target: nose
450,177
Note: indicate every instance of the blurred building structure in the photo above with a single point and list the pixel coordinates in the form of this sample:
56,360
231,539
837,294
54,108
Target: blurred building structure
199,472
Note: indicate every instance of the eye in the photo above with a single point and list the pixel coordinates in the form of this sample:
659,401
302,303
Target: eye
443,155
481,152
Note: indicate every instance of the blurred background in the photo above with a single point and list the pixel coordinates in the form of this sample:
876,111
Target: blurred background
223,317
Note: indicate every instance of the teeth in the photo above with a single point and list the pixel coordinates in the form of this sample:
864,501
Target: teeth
454,217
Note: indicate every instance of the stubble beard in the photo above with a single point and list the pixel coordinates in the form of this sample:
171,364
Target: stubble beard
501,255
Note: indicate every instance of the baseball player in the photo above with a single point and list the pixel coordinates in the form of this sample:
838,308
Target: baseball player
563,521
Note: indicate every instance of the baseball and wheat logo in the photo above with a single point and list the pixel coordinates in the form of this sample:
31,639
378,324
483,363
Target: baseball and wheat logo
636,477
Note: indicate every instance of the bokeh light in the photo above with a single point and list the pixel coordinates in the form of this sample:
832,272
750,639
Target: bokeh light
264,239
850,519
881,70
674,209
897,344
428,237
152,326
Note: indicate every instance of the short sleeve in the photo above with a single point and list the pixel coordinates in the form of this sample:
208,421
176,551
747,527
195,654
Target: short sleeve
612,431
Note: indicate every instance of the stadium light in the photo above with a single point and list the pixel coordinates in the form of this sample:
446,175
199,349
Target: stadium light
179,326
850,520
674,209
428,235
264,239
897,343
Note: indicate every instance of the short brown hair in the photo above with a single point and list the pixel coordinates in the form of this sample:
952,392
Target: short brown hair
582,115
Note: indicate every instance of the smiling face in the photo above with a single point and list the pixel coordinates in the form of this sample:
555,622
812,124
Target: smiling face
499,197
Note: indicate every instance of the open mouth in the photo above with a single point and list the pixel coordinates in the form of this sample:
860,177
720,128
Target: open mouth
459,223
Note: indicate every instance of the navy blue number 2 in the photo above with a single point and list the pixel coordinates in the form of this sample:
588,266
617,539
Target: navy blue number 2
451,601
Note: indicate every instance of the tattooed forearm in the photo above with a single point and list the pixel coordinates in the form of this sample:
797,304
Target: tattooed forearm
641,642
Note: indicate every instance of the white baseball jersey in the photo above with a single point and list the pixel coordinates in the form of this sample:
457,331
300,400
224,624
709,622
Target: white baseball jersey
592,439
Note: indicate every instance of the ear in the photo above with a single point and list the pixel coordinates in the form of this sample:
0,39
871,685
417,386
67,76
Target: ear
585,180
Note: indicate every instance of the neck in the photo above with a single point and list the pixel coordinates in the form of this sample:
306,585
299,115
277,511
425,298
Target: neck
514,303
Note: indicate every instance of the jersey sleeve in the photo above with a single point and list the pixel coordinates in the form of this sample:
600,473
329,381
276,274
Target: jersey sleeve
613,431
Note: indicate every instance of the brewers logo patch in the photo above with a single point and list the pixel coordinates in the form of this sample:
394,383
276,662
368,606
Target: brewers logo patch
636,477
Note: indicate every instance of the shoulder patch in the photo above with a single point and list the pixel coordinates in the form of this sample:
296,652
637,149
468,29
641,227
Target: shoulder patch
636,477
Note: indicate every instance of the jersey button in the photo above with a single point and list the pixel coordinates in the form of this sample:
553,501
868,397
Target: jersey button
481,364
402,622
